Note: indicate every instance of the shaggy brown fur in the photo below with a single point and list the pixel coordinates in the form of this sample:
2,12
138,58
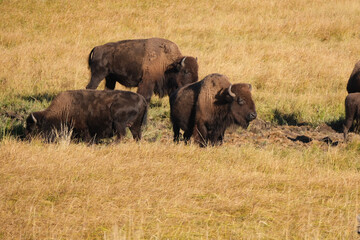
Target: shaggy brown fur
352,111
92,114
353,84
206,108
153,65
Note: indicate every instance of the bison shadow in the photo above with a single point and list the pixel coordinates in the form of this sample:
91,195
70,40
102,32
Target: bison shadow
337,124
290,119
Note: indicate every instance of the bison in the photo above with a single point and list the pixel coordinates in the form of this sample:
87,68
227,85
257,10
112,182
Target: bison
153,65
353,84
92,114
352,111
206,108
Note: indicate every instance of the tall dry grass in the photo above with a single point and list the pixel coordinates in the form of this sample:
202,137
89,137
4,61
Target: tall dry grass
91,192
297,54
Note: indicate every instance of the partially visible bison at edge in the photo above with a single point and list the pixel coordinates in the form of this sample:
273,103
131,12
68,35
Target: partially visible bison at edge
153,65
353,84
206,108
352,112
92,114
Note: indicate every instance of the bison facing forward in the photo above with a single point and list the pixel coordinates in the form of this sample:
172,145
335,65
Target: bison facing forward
353,84
92,114
153,65
352,111
205,109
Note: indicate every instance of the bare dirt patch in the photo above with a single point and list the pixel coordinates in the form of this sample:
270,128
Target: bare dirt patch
261,132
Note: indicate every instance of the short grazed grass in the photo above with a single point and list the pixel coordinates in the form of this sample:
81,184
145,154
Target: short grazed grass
297,54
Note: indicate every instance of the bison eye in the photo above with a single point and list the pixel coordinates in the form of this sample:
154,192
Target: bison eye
241,101
186,71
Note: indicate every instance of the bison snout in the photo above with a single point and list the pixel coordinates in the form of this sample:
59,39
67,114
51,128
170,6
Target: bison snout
251,116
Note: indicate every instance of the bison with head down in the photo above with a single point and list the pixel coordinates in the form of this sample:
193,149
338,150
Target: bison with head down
92,114
206,108
153,65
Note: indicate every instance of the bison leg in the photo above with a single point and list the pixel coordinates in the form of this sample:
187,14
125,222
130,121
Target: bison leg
200,134
96,77
110,82
349,118
135,128
120,130
176,131
348,122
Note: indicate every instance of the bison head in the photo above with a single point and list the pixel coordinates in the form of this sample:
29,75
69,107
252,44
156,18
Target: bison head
242,107
184,71
33,123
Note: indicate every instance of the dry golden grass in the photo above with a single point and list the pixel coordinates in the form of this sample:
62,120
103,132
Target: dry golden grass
166,191
297,54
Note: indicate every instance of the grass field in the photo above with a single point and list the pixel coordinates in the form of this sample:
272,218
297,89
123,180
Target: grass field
298,56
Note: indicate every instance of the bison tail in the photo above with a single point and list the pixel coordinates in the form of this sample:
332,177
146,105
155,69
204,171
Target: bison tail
91,56
144,120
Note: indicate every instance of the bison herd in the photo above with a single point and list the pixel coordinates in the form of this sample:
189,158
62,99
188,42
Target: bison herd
202,109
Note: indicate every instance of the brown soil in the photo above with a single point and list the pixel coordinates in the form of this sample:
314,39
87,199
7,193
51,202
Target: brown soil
261,133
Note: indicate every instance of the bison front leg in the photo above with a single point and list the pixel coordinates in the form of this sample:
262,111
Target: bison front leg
348,122
176,131
110,82
200,134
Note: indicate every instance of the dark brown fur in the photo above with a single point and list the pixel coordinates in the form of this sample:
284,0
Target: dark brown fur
92,114
353,84
153,65
352,111
205,109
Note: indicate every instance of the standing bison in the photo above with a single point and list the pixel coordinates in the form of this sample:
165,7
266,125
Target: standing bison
206,108
353,84
92,114
352,111
153,65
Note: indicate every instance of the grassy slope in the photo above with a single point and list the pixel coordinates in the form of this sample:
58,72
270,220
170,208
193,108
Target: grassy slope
297,54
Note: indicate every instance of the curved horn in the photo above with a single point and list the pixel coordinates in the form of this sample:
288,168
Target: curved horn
230,92
33,118
183,62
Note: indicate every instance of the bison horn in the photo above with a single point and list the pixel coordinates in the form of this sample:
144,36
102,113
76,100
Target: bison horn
250,87
230,92
33,118
183,62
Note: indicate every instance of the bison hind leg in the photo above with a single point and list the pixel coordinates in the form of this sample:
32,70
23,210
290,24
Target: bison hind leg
96,77
120,130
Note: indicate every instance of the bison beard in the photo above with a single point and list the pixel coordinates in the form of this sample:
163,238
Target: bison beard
205,109
153,65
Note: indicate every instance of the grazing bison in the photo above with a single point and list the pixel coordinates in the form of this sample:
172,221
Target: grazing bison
206,108
92,114
353,84
153,65
352,111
